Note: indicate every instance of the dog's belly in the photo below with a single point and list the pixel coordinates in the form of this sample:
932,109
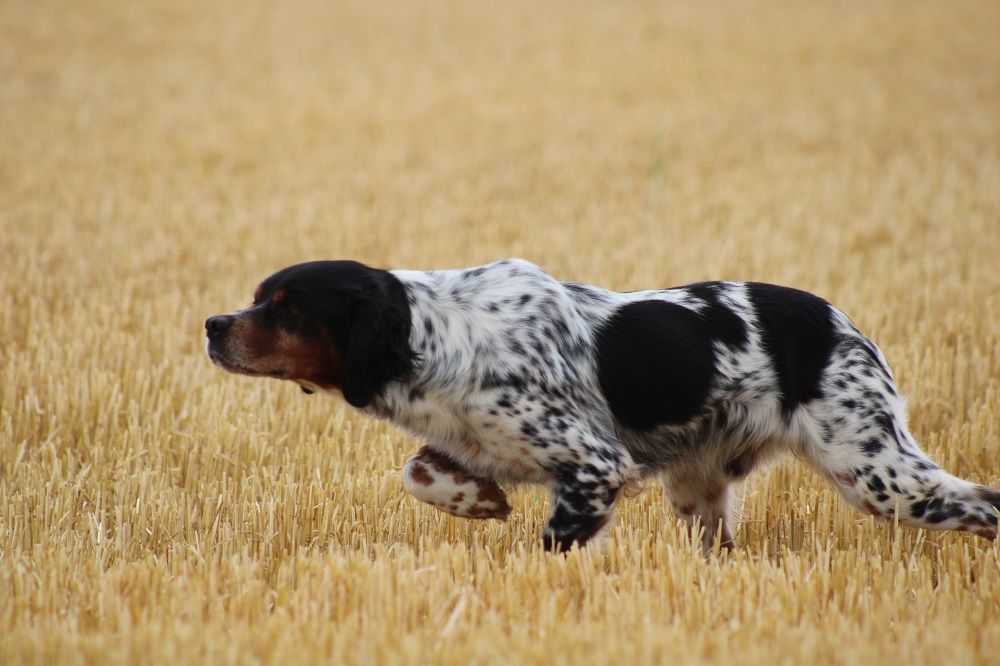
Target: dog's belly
485,445
501,458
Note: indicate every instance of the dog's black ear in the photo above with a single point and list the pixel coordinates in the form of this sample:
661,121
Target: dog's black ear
378,350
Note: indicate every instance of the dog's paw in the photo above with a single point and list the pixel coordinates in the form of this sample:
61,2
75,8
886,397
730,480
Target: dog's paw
441,482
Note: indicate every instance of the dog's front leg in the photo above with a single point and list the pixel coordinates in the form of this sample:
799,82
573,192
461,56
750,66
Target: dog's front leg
434,478
582,505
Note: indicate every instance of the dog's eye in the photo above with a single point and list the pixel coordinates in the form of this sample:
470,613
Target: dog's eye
288,310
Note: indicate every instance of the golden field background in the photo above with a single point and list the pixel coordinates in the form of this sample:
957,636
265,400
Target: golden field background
157,160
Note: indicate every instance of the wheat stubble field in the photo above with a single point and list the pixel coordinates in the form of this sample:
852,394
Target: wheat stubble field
157,160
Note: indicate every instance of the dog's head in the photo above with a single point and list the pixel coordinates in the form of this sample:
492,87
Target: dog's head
326,324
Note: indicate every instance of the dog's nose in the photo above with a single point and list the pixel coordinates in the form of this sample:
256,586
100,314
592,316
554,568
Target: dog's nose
216,326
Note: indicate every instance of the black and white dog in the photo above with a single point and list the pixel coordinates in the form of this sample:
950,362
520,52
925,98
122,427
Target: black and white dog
513,376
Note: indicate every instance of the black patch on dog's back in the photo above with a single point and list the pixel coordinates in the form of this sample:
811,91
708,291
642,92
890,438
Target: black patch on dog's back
797,334
655,363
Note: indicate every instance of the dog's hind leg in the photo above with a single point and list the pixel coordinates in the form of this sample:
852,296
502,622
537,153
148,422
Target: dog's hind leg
701,498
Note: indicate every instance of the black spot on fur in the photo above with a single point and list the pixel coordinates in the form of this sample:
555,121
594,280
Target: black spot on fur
872,447
655,363
739,466
490,380
884,423
872,356
474,272
989,495
797,333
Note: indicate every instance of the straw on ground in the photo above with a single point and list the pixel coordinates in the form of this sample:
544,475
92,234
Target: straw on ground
157,160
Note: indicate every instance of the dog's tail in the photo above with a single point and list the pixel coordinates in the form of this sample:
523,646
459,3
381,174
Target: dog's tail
859,440
950,503
986,505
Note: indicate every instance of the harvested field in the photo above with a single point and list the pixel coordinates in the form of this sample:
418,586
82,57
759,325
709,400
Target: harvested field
157,159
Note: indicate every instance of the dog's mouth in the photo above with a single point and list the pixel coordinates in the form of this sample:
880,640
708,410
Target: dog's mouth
220,359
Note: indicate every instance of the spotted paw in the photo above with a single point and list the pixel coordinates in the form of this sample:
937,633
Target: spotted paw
441,482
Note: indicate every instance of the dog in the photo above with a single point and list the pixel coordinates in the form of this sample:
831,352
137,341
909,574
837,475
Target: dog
512,376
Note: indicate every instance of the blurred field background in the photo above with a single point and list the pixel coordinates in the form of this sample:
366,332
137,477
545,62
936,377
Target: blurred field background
157,159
